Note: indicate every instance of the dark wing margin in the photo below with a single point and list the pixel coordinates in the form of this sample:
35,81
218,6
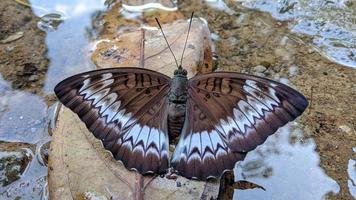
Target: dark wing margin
229,114
126,109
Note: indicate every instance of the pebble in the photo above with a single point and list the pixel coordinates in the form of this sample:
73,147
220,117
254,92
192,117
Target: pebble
284,80
10,48
293,70
259,74
12,37
33,77
310,51
260,68
345,129
232,41
13,165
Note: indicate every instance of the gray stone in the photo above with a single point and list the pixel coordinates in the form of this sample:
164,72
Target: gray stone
12,37
260,68
33,77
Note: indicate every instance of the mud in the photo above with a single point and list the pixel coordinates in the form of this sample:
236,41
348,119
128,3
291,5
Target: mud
261,45
23,61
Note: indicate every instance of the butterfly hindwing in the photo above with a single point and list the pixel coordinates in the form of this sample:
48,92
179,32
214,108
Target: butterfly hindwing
229,114
126,109
202,153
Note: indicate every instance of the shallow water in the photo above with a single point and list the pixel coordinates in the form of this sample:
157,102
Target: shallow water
287,165
331,24
68,43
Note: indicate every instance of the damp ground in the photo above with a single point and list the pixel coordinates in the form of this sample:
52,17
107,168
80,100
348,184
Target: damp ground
312,158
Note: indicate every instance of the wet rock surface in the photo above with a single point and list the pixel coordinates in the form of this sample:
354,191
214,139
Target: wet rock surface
23,49
14,159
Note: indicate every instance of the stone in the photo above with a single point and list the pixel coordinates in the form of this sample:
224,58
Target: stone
346,129
12,37
12,165
33,77
260,68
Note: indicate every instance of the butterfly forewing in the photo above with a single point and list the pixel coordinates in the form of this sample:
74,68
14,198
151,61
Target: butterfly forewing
126,109
228,114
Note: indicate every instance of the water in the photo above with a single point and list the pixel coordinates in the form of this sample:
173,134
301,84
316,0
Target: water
331,24
24,117
68,42
287,165
351,170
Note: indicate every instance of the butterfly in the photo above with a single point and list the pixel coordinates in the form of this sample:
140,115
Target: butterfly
218,117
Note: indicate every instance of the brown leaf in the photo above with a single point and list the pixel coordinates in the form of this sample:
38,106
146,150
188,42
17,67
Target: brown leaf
125,49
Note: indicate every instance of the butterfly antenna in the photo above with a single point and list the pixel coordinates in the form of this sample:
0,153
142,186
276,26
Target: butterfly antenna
160,27
186,39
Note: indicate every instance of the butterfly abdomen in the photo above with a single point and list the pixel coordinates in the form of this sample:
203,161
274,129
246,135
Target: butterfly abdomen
177,98
176,116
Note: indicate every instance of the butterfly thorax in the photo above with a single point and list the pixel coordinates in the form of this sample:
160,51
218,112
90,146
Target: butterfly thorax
177,98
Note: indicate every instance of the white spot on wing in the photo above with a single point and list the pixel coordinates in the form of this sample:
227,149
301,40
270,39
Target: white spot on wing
111,111
249,112
205,141
107,101
195,142
88,92
241,120
259,107
122,117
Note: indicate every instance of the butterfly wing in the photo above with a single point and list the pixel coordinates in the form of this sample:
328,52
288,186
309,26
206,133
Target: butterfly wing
228,114
126,109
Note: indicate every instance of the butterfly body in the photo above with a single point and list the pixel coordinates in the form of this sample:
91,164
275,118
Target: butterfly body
177,99
218,116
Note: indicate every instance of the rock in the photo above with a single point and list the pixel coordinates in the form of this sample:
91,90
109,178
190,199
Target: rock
10,166
12,37
13,163
260,68
44,151
259,74
232,41
310,51
29,68
266,63
346,130
10,48
33,77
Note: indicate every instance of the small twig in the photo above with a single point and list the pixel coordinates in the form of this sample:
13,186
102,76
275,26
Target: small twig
311,99
31,6
139,189
148,182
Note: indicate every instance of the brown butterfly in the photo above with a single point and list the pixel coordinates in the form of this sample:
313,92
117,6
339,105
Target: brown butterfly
218,116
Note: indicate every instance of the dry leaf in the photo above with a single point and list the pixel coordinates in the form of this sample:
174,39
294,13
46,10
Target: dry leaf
125,49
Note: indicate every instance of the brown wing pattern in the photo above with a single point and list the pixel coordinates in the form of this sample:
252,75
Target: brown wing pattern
228,114
126,109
